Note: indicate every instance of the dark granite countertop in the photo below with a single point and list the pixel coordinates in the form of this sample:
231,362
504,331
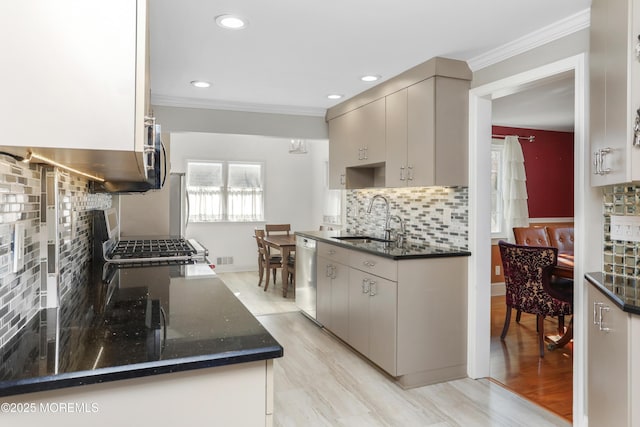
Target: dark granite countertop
625,293
134,322
408,251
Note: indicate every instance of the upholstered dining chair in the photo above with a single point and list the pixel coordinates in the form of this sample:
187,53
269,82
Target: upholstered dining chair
525,268
266,262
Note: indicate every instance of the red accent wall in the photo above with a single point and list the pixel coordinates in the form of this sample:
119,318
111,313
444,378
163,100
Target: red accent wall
548,163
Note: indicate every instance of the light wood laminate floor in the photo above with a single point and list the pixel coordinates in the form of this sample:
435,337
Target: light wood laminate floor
321,382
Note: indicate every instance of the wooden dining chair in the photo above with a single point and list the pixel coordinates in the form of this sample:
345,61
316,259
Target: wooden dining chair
525,268
277,229
266,262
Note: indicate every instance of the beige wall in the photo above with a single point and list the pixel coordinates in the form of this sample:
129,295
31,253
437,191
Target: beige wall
565,47
177,119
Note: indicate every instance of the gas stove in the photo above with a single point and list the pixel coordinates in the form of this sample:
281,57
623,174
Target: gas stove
144,251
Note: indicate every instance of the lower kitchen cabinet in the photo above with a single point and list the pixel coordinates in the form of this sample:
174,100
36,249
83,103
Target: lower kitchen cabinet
372,318
612,369
408,316
332,296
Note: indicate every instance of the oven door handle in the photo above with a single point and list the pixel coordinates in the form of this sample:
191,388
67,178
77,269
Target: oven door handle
163,316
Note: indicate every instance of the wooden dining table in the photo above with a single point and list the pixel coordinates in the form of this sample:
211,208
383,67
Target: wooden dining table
285,243
563,271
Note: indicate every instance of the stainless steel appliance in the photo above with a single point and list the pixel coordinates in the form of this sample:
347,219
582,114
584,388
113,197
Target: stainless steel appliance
144,251
154,166
178,204
306,276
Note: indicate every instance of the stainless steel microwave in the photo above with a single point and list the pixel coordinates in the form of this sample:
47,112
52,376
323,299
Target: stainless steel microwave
154,161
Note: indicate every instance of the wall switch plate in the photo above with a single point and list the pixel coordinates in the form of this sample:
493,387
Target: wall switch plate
497,270
625,228
18,246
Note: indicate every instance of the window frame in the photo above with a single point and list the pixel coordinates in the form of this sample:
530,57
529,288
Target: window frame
497,145
225,191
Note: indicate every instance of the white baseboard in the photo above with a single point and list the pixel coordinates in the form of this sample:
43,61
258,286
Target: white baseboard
498,289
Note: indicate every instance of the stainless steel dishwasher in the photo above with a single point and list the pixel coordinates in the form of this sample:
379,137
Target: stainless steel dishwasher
306,276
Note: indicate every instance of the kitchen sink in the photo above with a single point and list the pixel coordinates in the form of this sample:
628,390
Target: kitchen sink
363,239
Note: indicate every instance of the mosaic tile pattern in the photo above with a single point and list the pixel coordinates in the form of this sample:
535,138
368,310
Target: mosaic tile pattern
621,258
22,199
422,210
19,203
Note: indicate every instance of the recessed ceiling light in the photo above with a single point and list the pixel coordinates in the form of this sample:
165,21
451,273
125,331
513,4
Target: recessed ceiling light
334,96
369,78
232,22
200,83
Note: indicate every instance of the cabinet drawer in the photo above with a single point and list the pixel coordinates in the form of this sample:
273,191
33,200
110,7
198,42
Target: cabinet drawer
334,252
373,264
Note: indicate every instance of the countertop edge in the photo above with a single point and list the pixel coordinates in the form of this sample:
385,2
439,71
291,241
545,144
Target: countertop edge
595,281
317,236
138,370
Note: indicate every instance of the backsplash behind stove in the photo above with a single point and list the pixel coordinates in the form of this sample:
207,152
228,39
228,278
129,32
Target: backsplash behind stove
422,209
23,199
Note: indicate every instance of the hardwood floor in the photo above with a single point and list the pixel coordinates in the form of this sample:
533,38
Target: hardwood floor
515,362
321,382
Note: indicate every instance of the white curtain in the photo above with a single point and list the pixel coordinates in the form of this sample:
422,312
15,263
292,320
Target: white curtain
514,187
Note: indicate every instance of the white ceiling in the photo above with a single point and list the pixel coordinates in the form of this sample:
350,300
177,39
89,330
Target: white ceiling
295,52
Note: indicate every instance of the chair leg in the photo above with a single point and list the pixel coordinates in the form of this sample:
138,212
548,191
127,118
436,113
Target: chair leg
561,324
266,283
518,316
260,273
507,319
541,334
274,276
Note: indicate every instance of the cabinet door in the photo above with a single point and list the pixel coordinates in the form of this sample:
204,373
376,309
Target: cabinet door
608,400
383,303
323,296
71,82
368,124
340,301
396,144
421,133
614,80
338,151
358,336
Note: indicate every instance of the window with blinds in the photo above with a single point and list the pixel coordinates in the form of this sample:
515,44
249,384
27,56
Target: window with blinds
225,191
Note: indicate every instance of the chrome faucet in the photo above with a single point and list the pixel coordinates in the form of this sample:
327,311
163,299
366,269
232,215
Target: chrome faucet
387,230
402,233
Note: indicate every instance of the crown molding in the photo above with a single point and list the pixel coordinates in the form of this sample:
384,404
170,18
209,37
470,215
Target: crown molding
211,104
544,35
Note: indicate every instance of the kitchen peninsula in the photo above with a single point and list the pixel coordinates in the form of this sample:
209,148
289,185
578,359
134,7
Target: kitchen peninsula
402,307
161,345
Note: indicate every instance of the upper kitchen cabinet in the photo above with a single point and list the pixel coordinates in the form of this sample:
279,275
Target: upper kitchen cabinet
419,118
75,87
615,91
427,134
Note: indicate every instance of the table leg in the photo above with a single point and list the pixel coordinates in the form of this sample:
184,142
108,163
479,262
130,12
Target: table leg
285,275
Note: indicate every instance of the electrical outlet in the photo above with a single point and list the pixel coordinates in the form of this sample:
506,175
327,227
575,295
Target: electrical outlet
625,228
497,270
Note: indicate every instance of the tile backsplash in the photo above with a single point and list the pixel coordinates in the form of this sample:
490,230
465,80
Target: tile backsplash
621,258
23,200
424,210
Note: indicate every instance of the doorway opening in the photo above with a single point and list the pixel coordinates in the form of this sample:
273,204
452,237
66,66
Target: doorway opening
481,120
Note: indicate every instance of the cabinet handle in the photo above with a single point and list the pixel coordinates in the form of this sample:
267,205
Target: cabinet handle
360,154
331,251
327,273
369,263
595,312
602,308
334,271
373,288
637,49
365,286
342,179
410,173
598,161
401,173
366,153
